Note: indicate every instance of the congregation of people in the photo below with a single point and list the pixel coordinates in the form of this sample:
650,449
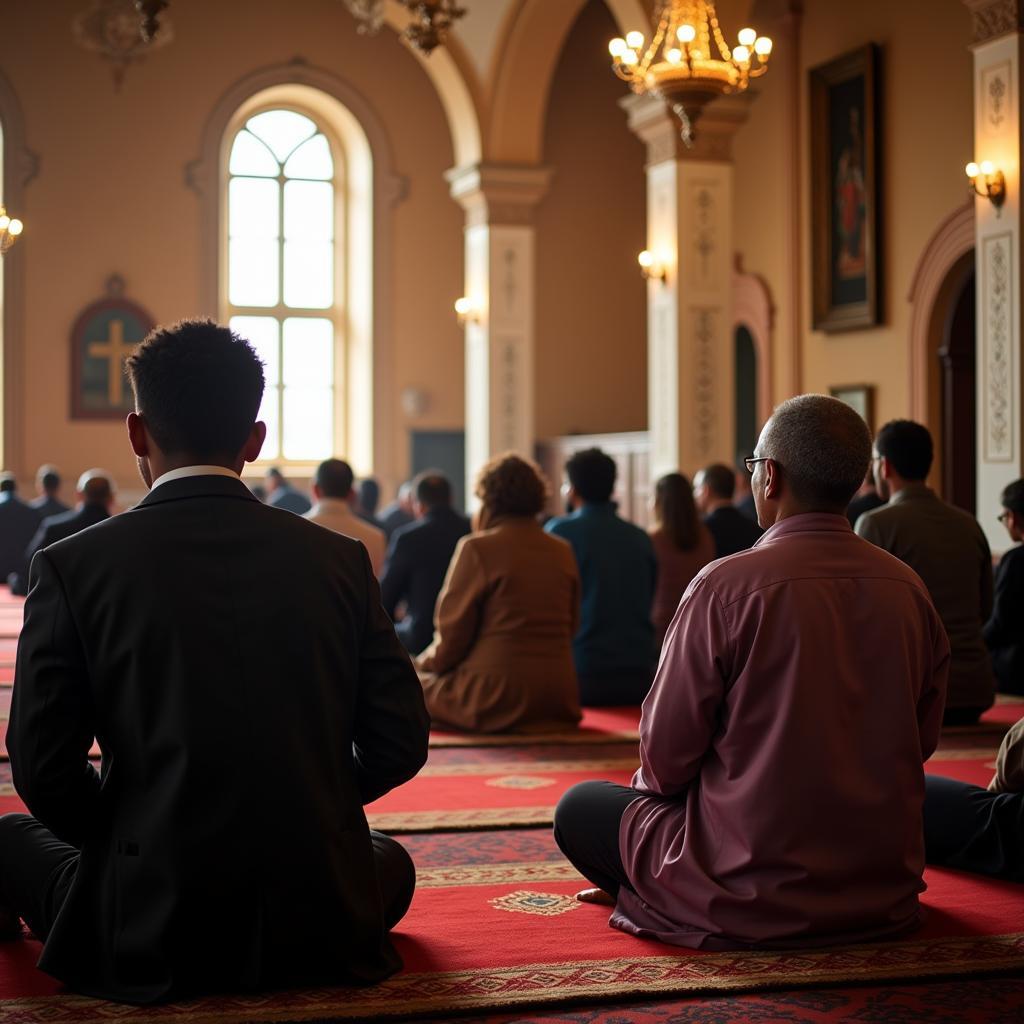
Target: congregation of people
798,632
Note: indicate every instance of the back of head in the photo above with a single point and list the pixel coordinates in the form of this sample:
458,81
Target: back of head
333,478
198,387
274,475
433,490
720,480
908,447
676,510
510,485
369,494
1012,497
96,487
823,447
592,474
8,483
48,479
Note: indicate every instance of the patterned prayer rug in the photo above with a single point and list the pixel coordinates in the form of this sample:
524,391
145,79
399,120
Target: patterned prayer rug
599,725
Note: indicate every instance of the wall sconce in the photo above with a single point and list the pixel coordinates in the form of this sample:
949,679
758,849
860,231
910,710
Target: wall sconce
466,311
9,231
987,181
651,268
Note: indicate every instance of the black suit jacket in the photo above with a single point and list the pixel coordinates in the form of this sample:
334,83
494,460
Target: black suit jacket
18,522
46,506
731,530
1004,631
417,561
51,530
249,696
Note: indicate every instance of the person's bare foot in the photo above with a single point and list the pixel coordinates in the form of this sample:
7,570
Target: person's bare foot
595,896
10,926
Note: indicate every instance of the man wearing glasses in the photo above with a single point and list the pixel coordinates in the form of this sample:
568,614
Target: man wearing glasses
947,548
801,686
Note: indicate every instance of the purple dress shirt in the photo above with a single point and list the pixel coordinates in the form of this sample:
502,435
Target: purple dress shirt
800,690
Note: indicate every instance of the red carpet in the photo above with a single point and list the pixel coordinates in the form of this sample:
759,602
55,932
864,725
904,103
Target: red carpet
599,725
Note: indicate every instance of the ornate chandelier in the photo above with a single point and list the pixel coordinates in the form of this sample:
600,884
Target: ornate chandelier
122,31
431,19
680,62
10,230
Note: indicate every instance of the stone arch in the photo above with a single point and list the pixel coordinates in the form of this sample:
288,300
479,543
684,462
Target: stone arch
929,297
752,308
529,55
20,166
370,346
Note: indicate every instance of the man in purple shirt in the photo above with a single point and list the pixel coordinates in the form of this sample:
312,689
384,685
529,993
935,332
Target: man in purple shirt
801,688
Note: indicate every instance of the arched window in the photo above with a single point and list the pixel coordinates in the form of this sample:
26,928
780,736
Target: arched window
285,279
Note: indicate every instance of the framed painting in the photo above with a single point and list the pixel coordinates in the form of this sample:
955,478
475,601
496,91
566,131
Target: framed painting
845,219
104,335
860,398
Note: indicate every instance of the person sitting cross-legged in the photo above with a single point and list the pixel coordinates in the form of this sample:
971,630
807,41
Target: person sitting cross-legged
801,685
223,844
501,658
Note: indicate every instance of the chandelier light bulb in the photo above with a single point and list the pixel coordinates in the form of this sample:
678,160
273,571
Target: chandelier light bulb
686,33
972,170
741,55
630,57
463,305
646,259
762,46
4,222
16,227
987,167
674,56
617,47
634,40
747,37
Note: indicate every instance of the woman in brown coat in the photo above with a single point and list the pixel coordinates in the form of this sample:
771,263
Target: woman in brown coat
502,652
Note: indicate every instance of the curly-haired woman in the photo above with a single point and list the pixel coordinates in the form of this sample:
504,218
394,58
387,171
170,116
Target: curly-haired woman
502,652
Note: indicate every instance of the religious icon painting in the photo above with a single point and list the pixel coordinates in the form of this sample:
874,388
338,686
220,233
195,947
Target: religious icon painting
844,208
103,337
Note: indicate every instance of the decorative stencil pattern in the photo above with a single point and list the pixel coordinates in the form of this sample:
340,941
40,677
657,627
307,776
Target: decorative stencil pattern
519,782
704,379
704,244
998,355
996,98
522,901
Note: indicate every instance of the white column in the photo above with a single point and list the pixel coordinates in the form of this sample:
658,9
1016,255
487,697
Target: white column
997,137
499,282
690,352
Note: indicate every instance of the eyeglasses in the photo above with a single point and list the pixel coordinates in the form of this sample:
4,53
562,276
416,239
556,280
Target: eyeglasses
1004,516
752,460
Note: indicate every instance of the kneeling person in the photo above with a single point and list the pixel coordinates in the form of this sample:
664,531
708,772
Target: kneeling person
778,802
223,844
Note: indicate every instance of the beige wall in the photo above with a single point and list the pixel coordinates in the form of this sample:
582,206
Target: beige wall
925,139
591,367
111,194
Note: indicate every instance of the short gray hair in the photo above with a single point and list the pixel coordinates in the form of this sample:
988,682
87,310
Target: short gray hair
823,447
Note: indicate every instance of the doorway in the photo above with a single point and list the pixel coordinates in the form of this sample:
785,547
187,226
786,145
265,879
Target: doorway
746,392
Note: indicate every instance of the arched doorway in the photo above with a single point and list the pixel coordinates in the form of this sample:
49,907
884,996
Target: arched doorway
745,405
956,393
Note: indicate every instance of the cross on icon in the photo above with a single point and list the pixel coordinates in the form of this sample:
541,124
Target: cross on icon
115,350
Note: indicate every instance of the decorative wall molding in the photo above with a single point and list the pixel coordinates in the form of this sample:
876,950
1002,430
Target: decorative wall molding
753,309
997,350
996,98
498,193
994,18
953,239
704,379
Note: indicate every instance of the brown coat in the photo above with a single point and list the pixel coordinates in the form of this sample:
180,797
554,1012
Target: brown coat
502,652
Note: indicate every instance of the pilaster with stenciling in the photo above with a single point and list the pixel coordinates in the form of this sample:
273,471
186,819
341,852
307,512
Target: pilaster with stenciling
998,128
499,201
690,353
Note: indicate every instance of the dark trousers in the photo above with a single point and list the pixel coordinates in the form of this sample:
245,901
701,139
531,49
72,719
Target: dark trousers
37,869
969,828
962,716
614,689
587,822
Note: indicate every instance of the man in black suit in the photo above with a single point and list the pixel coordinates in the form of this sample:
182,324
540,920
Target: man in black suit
18,522
243,725
95,496
731,530
418,558
48,485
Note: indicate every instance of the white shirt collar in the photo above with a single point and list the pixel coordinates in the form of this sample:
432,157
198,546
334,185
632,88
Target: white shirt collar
187,471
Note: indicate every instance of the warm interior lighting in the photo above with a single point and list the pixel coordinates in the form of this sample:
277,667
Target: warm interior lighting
466,311
987,181
688,61
10,229
650,266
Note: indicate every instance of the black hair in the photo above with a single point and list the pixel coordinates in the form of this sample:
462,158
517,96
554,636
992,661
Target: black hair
720,480
1012,497
433,489
334,478
592,474
908,447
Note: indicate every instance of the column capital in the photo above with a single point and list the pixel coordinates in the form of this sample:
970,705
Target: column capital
498,193
653,122
995,18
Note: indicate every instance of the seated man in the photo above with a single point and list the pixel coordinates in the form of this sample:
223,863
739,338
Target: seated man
400,512
18,522
243,725
281,494
367,498
48,502
947,548
1004,631
778,800
95,496
977,829
614,649
731,530
418,559
335,509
